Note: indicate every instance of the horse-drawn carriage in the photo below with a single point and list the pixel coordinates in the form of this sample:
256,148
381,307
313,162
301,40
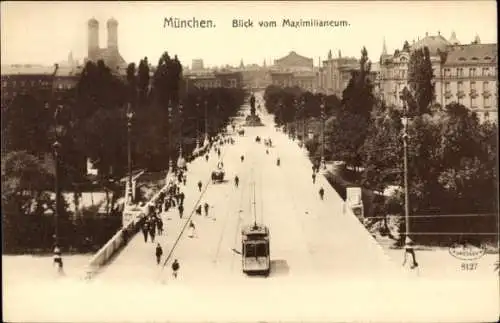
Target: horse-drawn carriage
241,132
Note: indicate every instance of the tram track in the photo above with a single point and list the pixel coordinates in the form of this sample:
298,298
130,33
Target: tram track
230,210
186,223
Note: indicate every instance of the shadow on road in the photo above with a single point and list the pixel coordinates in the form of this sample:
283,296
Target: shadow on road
279,267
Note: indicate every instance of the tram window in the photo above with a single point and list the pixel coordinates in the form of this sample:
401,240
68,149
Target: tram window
256,250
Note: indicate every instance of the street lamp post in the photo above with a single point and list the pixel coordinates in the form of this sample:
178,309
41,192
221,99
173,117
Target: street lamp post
205,141
197,126
404,120
323,163
170,162
303,109
130,115
59,132
295,130
180,159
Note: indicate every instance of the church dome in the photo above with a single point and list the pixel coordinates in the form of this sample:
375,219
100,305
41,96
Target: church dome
112,21
93,22
434,43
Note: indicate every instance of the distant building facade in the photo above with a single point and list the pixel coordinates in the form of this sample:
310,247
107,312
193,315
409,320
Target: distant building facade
335,74
210,79
465,74
294,70
37,80
197,65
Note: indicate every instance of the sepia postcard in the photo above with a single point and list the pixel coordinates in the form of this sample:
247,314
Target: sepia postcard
249,161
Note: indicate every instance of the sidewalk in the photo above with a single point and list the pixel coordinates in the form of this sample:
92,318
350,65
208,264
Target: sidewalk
137,260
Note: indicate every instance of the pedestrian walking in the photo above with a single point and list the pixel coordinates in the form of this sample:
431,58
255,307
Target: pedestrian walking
159,225
236,180
192,228
159,253
314,177
242,158
58,259
181,198
410,251
199,186
206,157
184,179
321,193
206,208
198,210
181,211
145,230
152,231
175,268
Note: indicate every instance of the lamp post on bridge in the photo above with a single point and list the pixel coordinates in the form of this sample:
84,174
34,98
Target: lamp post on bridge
303,113
408,241
322,106
404,121
296,128
197,126
130,115
170,161
59,133
180,160
205,140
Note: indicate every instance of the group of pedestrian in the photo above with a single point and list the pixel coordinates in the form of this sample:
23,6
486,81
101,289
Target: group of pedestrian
152,225
205,206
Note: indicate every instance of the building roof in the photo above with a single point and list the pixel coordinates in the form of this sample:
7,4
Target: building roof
112,21
472,53
295,59
27,69
434,43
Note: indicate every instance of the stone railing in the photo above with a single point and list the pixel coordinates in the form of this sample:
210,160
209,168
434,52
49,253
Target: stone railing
134,214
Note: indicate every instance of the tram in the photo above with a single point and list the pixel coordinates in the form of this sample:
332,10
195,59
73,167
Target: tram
256,258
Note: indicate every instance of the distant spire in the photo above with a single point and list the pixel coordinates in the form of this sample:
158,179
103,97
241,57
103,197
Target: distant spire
384,48
330,56
453,39
264,63
477,40
241,63
340,54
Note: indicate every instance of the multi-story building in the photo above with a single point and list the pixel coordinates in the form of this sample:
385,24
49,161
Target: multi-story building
209,79
465,74
197,65
37,80
335,73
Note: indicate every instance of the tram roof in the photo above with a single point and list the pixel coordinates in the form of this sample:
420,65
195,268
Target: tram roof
255,229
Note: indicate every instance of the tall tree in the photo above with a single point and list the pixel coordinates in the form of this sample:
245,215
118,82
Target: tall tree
420,80
143,80
132,83
25,125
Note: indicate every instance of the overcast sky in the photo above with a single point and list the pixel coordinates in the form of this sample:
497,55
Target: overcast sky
45,32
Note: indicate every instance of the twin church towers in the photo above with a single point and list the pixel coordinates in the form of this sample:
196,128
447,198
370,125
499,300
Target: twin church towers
110,54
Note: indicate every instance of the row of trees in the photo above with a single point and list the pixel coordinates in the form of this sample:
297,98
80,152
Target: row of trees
94,118
452,155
